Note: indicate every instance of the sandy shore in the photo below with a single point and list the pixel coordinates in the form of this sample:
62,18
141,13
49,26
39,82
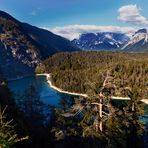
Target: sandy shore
145,101
48,76
59,89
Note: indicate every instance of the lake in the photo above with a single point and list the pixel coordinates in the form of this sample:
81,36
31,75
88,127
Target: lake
48,95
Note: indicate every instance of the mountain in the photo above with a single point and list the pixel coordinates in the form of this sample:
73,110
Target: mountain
50,42
100,41
138,42
18,52
23,46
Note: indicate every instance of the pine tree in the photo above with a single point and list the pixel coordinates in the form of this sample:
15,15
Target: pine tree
8,135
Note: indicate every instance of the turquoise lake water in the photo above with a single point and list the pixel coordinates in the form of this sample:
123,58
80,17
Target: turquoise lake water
47,95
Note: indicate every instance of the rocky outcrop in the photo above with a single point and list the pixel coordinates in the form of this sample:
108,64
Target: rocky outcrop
23,46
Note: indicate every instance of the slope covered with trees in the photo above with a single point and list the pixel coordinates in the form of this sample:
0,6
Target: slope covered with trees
97,121
22,121
84,71
12,131
22,46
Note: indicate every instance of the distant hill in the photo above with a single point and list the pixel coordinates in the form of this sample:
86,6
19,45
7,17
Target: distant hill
23,46
100,41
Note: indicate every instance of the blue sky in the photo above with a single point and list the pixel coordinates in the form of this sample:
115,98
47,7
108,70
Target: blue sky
59,15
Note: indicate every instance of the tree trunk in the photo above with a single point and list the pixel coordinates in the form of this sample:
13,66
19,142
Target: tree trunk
100,114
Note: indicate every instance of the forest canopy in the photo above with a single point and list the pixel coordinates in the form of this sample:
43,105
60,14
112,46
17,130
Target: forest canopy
83,71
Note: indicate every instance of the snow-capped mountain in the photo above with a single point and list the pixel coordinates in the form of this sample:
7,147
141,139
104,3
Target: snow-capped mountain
100,41
138,42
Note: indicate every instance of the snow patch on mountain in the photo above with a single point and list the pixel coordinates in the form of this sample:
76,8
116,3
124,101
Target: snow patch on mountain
100,41
139,39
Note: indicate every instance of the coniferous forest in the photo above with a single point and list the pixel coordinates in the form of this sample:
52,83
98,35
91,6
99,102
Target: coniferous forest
73,74
78,121
83,72
100,75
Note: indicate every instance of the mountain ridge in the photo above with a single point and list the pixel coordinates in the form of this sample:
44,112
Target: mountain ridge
114,41
138,42
20,52
100,41
45,38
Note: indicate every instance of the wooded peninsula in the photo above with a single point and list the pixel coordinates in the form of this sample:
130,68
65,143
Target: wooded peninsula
84,72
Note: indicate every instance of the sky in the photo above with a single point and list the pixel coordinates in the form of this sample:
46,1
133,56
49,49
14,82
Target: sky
70,18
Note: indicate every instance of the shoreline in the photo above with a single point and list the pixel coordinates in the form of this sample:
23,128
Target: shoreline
48,76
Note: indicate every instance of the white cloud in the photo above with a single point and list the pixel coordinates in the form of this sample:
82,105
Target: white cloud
73,31
131,14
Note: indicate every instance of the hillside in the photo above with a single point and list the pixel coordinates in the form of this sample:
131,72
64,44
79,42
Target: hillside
18,52
49,42
84,72
23,46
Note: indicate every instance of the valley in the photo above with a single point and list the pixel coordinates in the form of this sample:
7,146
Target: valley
74,85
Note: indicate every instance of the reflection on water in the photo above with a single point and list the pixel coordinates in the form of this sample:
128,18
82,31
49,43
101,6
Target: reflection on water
48,95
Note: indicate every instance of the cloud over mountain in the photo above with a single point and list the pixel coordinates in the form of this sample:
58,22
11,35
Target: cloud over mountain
73,31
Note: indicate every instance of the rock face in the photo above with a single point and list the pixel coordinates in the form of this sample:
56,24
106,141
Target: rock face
23,46
100,41
138,42
18,52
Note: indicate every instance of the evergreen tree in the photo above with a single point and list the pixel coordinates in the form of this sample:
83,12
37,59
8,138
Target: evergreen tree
8,135
34,117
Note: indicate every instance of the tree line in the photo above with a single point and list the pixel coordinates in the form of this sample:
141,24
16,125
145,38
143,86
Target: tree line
78,71
96,121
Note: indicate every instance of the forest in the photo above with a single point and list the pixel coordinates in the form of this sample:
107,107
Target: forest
83,72
21,122
92,122
98,120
